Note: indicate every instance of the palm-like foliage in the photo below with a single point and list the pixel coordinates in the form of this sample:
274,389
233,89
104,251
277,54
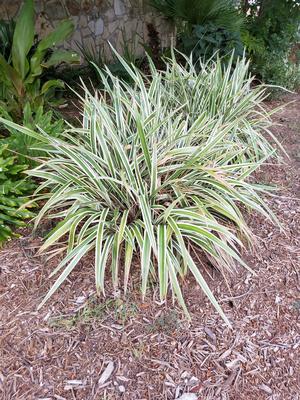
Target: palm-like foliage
157,173
221,13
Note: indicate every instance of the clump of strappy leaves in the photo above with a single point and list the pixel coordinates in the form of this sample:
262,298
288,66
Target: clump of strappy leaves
160,169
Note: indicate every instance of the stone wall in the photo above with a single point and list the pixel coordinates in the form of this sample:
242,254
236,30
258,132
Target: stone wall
98,21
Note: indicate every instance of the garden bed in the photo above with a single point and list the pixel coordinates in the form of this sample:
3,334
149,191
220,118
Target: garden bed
149,351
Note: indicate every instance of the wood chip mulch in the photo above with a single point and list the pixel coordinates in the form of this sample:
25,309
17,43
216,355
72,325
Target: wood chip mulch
79,348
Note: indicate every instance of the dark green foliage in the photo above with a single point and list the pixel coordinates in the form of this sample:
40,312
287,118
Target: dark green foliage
6,37
13,191
17,154
272,30
275,68
268,29
275,22
39,119
206,27
206,41
221,13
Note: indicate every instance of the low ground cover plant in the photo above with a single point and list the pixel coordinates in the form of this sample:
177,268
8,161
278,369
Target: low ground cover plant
18,153
24,146
159,169
14,190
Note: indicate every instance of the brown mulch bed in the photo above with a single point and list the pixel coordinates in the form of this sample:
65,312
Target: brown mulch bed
79,348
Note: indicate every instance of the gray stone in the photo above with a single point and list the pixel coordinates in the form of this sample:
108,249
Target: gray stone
8,10
82,21
109,15
42,25
86,32
39,7
98,20
119,41
130,28
89,43
112,27
99,27
73,6
76,37
119,7
91,25
56,10
70,44
106,52
75,20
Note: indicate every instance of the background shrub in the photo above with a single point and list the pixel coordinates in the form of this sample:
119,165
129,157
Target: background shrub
189,13
205,28
266,30
207,41
272,31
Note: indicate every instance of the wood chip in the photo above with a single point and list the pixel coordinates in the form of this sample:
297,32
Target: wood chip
106,373
265,388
